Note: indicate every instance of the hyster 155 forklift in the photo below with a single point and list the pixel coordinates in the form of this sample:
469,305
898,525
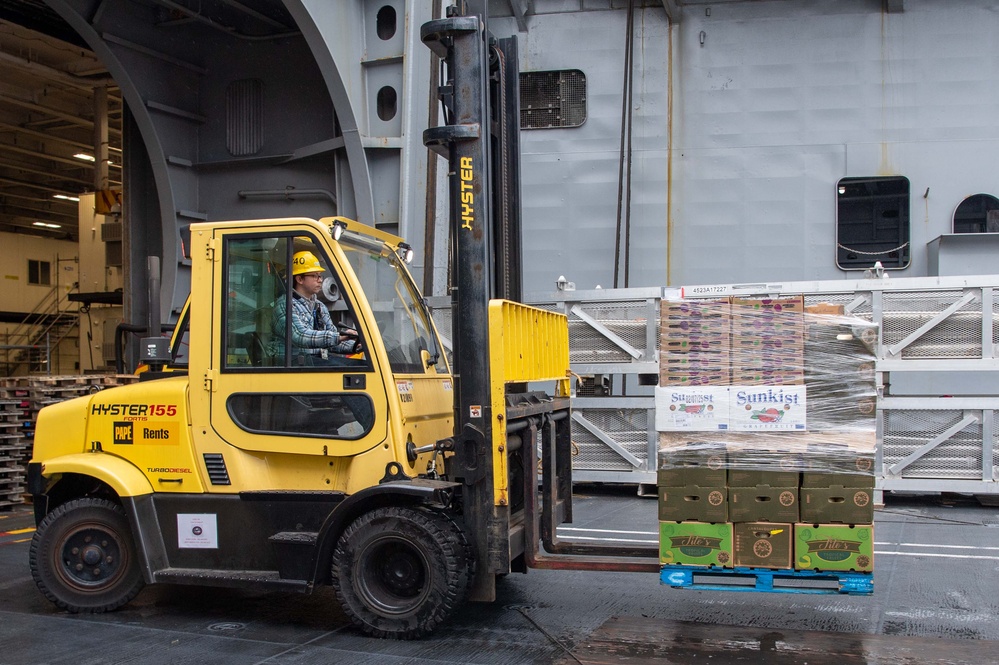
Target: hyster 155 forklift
249,460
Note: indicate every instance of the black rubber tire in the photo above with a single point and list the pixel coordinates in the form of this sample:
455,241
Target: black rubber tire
83,558
401,572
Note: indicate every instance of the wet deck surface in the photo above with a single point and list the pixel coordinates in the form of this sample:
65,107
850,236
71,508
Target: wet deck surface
936,600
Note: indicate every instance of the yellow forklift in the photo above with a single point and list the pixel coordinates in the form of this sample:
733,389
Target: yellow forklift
245,459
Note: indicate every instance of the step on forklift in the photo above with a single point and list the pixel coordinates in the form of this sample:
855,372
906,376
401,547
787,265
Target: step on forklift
245,459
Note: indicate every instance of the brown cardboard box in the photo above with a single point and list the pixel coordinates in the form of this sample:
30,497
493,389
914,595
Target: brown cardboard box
763,544
703,469
742,376
811,480
717,378
763,503
826,309
700,504
768,306
848,505
748,477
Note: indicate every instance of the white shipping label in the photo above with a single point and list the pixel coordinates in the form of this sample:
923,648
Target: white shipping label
767,408
692,409
197,531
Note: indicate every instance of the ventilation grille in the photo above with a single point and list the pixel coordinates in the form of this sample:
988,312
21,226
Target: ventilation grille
244,111
552,99
217,472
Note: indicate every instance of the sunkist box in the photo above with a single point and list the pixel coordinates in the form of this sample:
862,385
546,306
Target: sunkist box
695,543
834,547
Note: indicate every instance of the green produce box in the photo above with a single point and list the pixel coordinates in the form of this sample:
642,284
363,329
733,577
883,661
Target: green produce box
834,547
763,503
695,543
850,505
762,544
700,504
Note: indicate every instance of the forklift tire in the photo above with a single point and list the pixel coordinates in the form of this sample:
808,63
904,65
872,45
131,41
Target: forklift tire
83,558
401,572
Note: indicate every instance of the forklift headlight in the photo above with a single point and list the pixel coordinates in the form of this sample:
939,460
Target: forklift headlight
405,253
337,230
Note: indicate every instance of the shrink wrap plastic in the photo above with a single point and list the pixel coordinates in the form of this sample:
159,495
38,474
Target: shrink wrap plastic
766,385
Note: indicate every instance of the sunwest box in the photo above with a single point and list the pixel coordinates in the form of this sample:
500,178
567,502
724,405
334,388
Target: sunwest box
763,503
695,543
850,505
834,547
762,544
700,504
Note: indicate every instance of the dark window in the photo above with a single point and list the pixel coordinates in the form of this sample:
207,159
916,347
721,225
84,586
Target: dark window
552,99
39,272
872,222
327,415
977,214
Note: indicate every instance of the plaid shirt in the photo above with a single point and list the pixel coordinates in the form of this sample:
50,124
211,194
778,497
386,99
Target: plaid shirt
312,328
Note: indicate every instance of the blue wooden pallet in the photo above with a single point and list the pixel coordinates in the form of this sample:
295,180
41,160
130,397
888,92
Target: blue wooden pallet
761,579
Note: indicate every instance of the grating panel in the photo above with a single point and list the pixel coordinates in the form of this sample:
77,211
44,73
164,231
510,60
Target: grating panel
552,99
995,320
957,336
627,427
905,432
626,320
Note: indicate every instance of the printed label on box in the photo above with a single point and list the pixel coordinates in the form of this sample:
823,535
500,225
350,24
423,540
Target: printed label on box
692,409
767,408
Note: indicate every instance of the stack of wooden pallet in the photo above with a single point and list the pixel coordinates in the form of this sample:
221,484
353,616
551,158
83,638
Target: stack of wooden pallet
21,398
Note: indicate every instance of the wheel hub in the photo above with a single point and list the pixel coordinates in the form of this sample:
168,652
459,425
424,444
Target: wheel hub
91,558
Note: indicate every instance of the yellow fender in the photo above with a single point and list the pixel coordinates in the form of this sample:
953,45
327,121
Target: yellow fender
122,476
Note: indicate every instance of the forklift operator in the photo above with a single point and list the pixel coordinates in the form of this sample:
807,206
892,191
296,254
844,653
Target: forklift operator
313,333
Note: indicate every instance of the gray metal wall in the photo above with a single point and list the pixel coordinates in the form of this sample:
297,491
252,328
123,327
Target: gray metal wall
773,103
570,175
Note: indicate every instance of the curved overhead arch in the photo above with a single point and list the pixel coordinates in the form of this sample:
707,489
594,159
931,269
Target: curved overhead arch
253,113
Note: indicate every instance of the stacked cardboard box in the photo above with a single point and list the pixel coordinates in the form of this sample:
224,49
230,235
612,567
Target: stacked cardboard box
766,462
694,343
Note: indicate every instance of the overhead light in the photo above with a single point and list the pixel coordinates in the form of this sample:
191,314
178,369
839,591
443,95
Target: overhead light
66,198
46,225
85,157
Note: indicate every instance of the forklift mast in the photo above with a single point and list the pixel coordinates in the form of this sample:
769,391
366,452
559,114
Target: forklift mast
480,139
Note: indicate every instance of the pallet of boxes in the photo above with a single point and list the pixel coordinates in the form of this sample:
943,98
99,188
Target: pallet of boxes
766,417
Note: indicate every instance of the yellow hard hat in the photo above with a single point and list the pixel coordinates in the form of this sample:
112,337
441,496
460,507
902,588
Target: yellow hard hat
305,262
